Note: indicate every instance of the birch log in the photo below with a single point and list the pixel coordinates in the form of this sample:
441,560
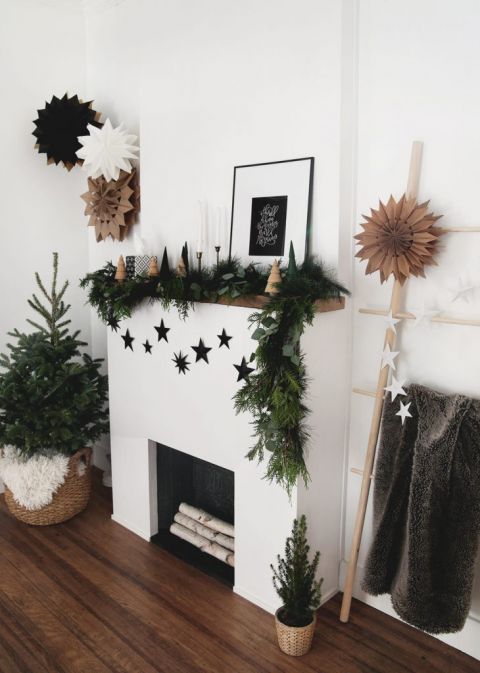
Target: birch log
212,535
202,543
207,519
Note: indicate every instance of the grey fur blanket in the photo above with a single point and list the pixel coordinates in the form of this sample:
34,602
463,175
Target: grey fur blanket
427,509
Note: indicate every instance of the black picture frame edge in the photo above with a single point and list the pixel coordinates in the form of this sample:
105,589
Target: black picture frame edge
310,197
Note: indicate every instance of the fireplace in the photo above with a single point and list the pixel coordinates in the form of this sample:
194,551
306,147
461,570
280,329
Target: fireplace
184,481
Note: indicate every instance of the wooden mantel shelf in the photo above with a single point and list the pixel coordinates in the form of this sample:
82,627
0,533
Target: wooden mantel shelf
259,301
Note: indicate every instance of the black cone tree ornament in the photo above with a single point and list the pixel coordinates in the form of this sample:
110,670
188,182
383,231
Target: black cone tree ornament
58,126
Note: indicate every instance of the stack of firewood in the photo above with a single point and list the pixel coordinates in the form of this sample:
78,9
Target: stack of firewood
211,535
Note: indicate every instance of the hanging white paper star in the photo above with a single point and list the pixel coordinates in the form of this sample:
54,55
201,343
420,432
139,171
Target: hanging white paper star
465,293
391,322
107,150
396,388
422,315
388,357
404,411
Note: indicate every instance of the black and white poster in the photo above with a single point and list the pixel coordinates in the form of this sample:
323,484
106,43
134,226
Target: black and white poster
270,207
267,225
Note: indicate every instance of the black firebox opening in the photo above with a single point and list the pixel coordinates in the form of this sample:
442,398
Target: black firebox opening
184,478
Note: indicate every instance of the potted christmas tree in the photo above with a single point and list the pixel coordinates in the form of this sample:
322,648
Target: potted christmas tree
296,584
52,406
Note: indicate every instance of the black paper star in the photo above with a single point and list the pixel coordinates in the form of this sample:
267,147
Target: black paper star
224,339
58,126
181,362
128,340
162,331
243,370
113,323
147,346
202,351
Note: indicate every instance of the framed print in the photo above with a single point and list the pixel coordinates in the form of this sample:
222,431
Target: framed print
271,206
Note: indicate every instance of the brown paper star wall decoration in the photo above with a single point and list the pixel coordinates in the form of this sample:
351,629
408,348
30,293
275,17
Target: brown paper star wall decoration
112,205
399,238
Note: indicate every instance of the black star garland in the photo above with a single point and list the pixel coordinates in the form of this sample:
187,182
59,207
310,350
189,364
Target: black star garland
224,339
162,331
202,351
58,126
128,340
113,323
181,362
243,370
148,346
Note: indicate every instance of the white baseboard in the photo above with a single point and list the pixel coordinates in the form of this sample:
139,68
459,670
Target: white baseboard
270,608
141,533
252,598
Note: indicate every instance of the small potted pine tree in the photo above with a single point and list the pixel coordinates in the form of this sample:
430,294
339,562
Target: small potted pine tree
52,405
295,582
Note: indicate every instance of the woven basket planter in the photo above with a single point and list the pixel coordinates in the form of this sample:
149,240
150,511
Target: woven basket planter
71,498
295,640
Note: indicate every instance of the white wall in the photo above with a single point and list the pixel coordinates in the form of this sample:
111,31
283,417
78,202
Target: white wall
42,52
418,63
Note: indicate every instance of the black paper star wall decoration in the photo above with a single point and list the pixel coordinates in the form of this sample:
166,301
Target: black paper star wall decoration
148,346
128,340
113,323
181,362
243,370
202,351
58,126
162,331
224,339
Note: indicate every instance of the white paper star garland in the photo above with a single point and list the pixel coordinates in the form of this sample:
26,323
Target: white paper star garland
395,388
391,322
404,411
107,150
388,357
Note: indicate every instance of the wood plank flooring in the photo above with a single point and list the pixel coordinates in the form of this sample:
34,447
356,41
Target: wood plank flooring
88,596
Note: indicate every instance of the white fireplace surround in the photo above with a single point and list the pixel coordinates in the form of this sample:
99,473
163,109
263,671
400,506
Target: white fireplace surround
151,402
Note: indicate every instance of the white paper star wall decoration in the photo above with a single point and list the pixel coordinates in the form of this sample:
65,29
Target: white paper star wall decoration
404,411
391,322
388,357
396,388
107,151
423,315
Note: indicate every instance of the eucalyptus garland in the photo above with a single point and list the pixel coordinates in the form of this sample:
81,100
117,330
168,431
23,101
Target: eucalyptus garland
274,394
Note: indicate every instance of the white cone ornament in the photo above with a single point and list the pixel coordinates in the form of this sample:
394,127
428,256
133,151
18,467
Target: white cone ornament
107,151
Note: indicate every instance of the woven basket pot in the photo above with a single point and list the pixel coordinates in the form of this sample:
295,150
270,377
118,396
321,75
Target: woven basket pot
295,640
70,499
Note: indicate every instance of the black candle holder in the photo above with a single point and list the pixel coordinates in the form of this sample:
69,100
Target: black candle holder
199,260
217,250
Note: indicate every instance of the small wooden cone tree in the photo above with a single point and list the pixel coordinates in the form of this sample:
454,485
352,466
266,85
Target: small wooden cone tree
153,268
181,268
274,279
121,272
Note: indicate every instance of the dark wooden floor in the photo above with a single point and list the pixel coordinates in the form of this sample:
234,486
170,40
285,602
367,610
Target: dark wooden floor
90,597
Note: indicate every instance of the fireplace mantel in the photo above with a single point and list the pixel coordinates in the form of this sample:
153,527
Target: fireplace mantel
150,403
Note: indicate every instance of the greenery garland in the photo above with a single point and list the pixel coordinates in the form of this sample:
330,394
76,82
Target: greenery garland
274,393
